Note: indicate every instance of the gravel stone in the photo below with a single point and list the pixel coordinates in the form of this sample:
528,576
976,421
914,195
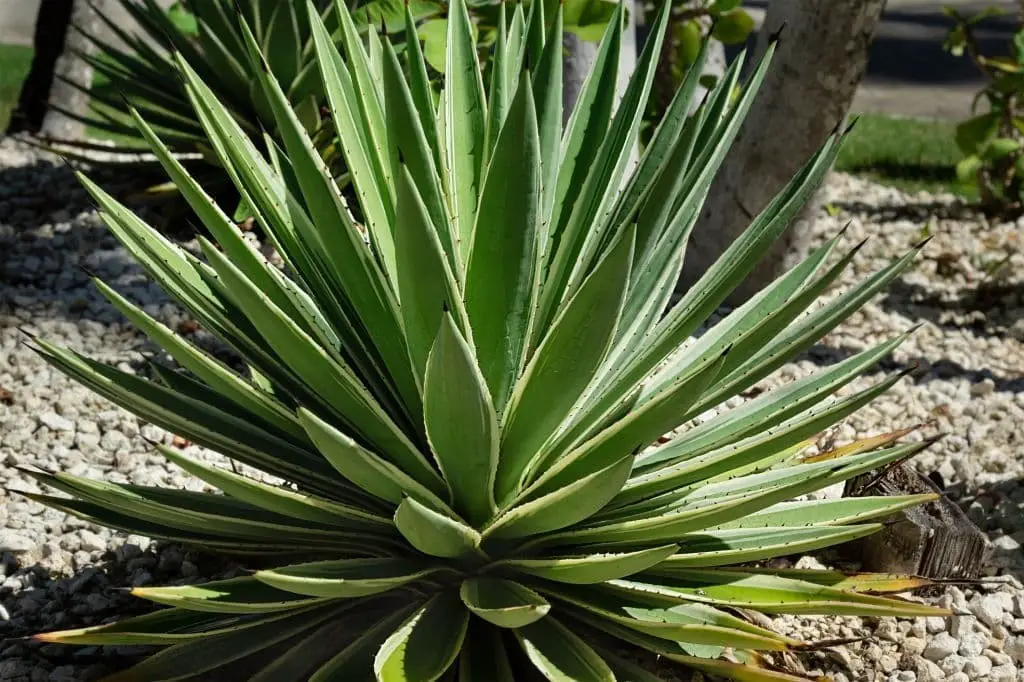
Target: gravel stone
940,647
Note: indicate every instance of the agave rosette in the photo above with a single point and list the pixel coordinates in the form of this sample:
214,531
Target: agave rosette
465,390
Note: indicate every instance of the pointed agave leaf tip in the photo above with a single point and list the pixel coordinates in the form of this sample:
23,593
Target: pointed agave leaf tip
853,121
31,335
860,244
776,36
445,308
383,27
921,244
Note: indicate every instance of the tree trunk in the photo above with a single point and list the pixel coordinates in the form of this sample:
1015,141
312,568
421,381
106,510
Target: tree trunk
819,62
55,59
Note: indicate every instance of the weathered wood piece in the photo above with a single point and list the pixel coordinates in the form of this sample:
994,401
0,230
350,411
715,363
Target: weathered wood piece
934,540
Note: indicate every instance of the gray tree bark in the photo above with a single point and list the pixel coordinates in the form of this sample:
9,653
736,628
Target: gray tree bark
819,62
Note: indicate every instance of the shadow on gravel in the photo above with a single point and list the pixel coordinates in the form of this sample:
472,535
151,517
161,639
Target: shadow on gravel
93,595
998,510
993,309
910,210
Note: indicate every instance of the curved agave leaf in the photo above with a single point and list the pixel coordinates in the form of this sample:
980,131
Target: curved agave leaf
426,645
345,578
502,602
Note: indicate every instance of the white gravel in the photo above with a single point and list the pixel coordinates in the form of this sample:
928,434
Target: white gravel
56,571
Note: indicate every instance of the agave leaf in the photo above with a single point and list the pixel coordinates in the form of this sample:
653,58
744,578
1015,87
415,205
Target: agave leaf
370,472
733,459
434,534
660,622
587,227
365,284
464,111
484,656
426,285
268,547
656,645
499,94
765,409
413,143
701,300
211,371
320,254
355,661
560,655
562,366
277,499
502,260
685,611
833,512
641,188
775,594
356,111
242,596
504,603
300,662
167,626
584,133
799,337
593,568
199,512
199,422
422,94
547,87
564,507
663,412
461,424
366,68
668,526
870,583
213,651
861,445
734,546
426,645
334,381
764,315
345,578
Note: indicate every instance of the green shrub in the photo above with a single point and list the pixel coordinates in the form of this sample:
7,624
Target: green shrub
992,141
460,391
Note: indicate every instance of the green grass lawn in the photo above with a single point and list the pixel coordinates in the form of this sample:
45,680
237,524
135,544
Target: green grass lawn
15,61
911,154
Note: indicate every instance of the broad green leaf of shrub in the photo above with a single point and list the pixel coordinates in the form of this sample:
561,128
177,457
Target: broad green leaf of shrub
733,27
973,133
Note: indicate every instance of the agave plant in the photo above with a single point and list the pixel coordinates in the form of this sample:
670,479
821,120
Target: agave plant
451,417
140,70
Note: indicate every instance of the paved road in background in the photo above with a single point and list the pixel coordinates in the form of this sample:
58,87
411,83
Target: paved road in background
908,73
